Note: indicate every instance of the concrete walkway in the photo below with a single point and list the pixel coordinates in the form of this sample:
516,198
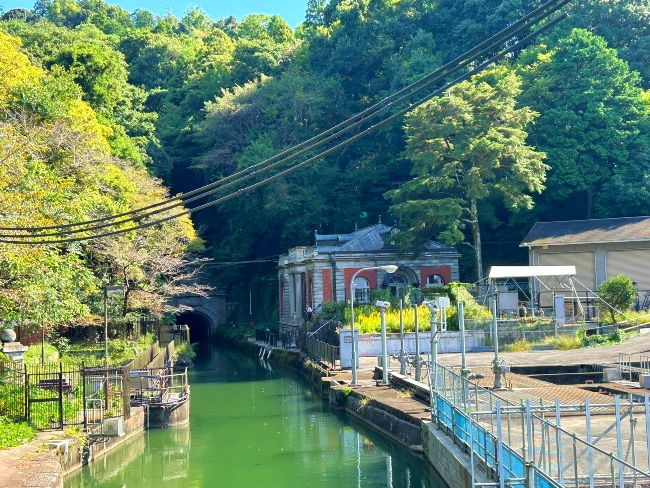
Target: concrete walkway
604,355
31,465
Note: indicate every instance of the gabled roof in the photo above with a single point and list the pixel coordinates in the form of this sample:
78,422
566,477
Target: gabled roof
623,229
373,238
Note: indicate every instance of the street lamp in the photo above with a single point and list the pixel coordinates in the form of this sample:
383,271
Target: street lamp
107,291
389,268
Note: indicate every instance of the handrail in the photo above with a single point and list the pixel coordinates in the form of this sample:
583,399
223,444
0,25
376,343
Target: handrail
312,333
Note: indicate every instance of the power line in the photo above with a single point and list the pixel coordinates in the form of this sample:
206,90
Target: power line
401,95
12,238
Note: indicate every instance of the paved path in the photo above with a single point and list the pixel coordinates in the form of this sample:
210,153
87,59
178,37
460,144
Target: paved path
586,355
30,465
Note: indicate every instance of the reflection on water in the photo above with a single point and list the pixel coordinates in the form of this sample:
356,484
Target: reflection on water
253,425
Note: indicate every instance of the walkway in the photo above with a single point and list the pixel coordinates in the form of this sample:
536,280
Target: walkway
587,355
31,465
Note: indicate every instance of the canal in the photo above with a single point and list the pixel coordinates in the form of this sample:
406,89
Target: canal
254,425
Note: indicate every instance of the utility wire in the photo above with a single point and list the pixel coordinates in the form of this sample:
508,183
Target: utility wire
395,99
287,171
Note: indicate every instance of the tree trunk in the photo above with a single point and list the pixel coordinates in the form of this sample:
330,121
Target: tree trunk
476,235
590,202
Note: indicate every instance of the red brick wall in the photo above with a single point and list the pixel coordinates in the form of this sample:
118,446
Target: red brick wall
327,285
370,275
426,271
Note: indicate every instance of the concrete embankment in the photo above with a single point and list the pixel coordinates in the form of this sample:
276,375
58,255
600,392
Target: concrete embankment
45,462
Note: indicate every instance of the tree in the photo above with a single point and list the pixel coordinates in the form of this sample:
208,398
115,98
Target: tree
618,294
468,150
591,114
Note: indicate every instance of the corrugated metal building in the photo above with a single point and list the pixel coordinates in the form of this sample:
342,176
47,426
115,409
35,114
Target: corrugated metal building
599,248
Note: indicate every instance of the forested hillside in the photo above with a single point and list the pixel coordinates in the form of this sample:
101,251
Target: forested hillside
110,98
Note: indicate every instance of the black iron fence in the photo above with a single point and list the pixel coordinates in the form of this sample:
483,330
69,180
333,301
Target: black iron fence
52,396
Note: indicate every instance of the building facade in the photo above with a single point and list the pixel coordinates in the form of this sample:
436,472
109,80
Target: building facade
309,276
598,248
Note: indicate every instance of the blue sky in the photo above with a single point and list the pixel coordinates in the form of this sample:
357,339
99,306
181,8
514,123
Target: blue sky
293,11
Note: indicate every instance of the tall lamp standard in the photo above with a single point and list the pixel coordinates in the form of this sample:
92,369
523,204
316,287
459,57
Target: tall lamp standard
389,268
107,291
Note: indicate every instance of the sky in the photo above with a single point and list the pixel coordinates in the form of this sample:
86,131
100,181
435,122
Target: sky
292,11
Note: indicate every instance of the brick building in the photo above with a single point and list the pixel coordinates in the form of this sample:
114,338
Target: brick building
312,275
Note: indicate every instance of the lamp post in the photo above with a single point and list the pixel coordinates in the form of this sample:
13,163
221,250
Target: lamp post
107,291
389,268
433,365
384,350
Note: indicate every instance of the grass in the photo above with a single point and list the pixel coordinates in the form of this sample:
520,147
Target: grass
519,346
566,342
119,352
15,433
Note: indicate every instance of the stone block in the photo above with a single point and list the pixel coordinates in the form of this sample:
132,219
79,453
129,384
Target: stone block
644,381
611,374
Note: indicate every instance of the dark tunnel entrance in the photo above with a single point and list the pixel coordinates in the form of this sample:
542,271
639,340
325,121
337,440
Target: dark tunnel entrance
200,326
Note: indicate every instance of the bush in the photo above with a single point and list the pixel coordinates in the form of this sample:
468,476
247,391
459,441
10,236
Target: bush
14,433
617,294
185,352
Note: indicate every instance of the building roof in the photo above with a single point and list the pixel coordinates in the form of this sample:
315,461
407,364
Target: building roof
623,229
373,238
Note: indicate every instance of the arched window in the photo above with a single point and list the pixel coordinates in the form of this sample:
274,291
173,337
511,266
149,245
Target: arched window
396,284
435,280
361,290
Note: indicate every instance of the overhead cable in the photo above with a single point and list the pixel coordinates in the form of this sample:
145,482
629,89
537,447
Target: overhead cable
369,130
354,122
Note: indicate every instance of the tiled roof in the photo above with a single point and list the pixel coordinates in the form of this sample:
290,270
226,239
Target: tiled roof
624,229
373,238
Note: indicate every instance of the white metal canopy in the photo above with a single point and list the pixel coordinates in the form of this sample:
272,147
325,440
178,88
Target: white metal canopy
497,272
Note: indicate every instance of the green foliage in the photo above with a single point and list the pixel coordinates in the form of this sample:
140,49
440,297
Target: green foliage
468,150
518,346
33,355
617,294
186,352
195,100
14,433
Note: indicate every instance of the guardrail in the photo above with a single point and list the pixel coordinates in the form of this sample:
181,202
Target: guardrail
324,352
158,387
517,445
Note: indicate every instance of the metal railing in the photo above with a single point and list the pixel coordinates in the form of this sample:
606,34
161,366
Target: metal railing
526,446
159,387
321,351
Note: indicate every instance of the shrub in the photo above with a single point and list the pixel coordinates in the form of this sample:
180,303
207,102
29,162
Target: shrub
14,433
185,352
616,293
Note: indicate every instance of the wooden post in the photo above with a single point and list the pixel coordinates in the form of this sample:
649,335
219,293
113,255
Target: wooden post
126,391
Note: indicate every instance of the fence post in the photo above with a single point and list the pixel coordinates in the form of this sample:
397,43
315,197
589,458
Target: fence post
61,395
83,393
126,391
500,446
26,380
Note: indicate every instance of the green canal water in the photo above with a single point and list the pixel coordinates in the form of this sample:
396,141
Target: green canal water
256,427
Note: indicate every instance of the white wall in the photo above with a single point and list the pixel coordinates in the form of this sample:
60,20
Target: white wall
370,344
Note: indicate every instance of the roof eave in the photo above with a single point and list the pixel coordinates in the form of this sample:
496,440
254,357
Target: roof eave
537,244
